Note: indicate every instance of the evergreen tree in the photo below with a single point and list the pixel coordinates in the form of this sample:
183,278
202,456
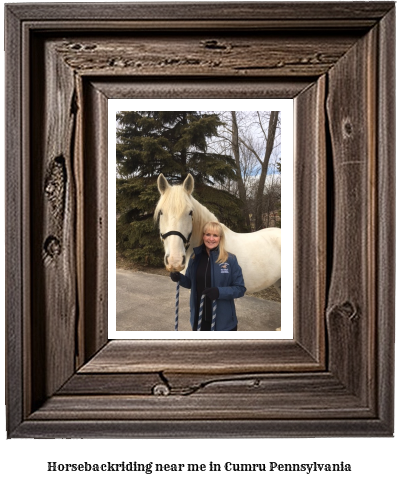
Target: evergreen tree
136,236
175,144
172,143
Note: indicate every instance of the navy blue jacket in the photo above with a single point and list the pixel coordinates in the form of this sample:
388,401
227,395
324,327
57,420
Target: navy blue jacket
227,277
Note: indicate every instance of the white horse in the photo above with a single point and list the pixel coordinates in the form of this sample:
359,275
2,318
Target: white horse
181,220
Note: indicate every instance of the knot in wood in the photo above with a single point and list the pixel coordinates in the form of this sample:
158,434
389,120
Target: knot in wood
347,128
346,310
90,47
213,44
161,390
52,246
349,310
51,249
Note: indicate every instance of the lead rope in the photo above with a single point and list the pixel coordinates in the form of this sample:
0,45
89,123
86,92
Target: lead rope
177,306
201,308
214,307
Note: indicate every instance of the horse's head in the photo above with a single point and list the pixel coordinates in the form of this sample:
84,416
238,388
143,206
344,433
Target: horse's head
175,213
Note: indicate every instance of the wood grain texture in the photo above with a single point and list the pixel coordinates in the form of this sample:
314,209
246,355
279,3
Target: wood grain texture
335,377
310,230
385,245
200,356
53,213
359,13
113,384
208,407
185,384
218,55
192,428
351,307
15,237
95,160
89,396
177,87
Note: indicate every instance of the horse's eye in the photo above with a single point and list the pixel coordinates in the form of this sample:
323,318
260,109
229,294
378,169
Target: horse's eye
191,213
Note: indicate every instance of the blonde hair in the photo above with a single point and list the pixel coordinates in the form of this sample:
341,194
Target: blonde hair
216,227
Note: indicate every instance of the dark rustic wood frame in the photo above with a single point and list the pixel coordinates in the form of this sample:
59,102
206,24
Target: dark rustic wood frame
63,62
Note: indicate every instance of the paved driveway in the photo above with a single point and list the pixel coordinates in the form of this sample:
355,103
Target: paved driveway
144,299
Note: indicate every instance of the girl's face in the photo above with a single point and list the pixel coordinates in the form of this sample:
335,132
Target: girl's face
211,240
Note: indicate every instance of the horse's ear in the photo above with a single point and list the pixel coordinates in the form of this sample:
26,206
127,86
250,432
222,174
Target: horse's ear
163,185
188,184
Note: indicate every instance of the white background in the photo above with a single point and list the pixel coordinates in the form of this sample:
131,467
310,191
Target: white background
374,461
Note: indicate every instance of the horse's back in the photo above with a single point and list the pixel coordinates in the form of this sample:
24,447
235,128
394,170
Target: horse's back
259,255
272,233
267,236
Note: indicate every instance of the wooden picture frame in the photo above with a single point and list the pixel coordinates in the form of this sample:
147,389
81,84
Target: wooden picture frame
335,378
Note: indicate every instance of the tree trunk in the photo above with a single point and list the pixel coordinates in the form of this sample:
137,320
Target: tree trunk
240,182
183,154
265,165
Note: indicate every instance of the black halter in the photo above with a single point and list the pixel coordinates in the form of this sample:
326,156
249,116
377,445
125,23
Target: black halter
173,232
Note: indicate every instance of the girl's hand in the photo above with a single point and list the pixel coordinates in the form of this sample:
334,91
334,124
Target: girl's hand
175,276
211,292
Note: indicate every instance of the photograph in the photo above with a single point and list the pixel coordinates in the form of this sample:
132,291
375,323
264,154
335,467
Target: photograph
199,219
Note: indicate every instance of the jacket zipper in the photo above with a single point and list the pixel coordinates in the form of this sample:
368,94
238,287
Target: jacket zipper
206,270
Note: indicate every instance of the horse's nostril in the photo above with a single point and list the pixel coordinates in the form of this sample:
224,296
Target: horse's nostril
184,260
166,259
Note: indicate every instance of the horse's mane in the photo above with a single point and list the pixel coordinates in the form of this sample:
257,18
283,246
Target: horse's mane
201,216
176,200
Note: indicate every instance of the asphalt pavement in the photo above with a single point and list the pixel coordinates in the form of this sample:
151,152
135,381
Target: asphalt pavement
144,299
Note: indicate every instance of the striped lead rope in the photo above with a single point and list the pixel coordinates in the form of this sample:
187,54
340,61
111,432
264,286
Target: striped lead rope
201,309
177,307
214,307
